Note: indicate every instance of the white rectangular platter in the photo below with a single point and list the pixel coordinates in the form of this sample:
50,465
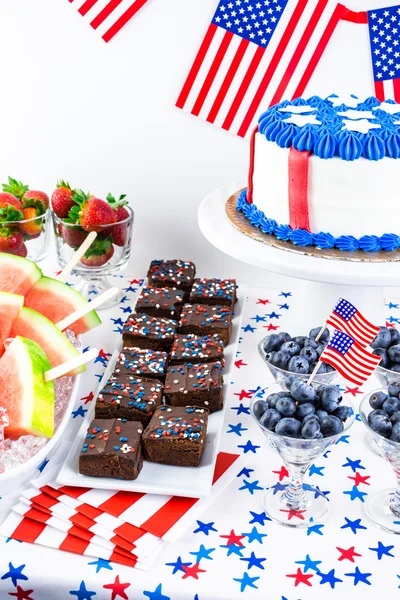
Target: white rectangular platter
193,482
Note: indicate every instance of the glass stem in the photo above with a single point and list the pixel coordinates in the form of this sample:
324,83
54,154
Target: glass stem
294,496
394,503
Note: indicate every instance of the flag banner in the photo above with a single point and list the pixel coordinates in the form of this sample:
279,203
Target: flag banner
384,34
345,317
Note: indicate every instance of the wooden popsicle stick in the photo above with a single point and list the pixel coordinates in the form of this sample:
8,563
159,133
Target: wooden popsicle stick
76,257
315,371
92,305
70,365
321,332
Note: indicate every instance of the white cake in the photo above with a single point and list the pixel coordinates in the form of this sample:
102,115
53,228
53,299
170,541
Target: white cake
325,174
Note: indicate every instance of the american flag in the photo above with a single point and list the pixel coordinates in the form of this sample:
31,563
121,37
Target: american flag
346,317
384,33
108,17
350,359
255,53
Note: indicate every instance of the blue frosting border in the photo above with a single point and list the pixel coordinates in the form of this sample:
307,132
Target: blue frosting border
300,237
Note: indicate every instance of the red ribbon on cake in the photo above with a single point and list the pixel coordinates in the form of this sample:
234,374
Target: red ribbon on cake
298,189
251,166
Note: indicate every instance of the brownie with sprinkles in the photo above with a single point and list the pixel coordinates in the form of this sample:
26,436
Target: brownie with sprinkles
172,273
195,385
176,436
196,348
202,319
112,448
143,331
142,363
129,397
214,291
161,302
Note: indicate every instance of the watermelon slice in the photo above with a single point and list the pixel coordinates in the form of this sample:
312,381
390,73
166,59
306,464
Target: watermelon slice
10,306
56,300
29,401
34,326
17,274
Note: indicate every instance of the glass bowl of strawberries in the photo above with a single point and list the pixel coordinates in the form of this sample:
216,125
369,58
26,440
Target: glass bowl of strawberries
24,221
75,215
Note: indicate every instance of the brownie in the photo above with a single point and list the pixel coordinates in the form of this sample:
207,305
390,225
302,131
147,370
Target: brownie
176,435
143,331
195,385
196,348
112,448
214,291
129,397
142,362
172,273
161,302
202,319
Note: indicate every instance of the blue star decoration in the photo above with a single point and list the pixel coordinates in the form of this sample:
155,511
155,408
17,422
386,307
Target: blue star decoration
82,593
317,528
43,465
251,486
353,464
316,470
259,518
126,309
273,315
253,561
353,525
283,306
309,564
278,487
101,563
157,594
123,299
205,527
391,305
343,439
285,294
130,289
248,447
203,553
249,328
178,565
241,409
237,429
15,573
316,490
233,549
258,319
246,581
356,494
329,578
245,472
79,412
359,577
118,330
254,535
394,320
382,550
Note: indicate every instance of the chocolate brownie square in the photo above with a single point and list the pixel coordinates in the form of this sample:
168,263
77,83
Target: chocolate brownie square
196,348
195,385
142,362
214,291
143,331
172,273
176,436
112,448
161,302
202,319
129,397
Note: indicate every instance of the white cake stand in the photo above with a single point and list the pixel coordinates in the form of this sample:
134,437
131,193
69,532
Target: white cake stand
322,281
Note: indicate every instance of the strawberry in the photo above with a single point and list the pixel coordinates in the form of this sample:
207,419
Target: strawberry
73,236
23,251
62,199
36,199
7,199
91,213
9,214
98,254
119,231
11,240
15,188
33,226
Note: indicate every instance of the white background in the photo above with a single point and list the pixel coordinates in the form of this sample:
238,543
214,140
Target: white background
102,115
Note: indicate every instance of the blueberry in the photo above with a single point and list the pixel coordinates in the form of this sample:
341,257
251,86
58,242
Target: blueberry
331,425
320,349
394,353
273,398
286,406
324,368
376,413
289,427
303,410
323,338
300,339
394,389
269,356
342,412
383,353
321,414
310,343
380,424
280,360
272,343
270,418
310,416
395,435
377,399
330,398
302,392
311,430
395,417
391,405
291,348
284,336
383,339
259,408
309,353
394,336
299,364
395,368
289,380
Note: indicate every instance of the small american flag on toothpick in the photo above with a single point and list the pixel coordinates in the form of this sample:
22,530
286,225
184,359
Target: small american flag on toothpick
346,317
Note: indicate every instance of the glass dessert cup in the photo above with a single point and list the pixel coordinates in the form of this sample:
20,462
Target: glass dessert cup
299,505
108,255
34,236
385,377
383,507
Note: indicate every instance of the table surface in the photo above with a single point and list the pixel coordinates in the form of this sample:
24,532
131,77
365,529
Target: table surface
233,551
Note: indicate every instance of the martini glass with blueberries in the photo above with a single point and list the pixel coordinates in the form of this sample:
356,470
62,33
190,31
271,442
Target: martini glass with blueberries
300,421
380,412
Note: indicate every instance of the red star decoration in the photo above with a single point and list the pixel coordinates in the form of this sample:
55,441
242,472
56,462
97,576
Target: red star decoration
359,479
88,398
353,391
57,273
301,577
282,473
271,327
239,363
348,554
232,538
21,594
243,394
261,301
117,588
389,324
294,513
103,354
136,281
192,571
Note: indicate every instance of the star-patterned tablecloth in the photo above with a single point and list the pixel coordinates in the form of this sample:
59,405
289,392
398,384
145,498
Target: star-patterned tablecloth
233,551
